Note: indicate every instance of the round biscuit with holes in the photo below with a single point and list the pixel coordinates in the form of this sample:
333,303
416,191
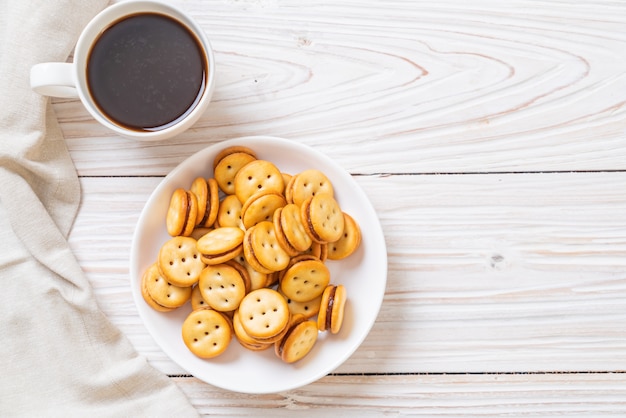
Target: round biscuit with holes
229,212
222,287
349,241
322,218
264,313
197,301
227,167
265,249
221,244
309,183
291,224
149,274
308,309
180,261
305,280
206,333
258,176
165,293
298,341
261,207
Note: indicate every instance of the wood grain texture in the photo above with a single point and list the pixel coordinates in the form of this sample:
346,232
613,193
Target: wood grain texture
426,396
487,273
423,86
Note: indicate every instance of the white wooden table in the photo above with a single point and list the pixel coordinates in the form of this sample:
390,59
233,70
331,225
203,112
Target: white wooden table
490,137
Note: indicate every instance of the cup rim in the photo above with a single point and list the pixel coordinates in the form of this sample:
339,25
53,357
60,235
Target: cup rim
101,22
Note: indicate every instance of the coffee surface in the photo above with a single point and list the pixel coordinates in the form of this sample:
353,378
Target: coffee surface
146,71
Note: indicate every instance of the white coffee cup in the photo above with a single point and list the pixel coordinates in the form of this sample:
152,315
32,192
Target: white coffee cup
70,80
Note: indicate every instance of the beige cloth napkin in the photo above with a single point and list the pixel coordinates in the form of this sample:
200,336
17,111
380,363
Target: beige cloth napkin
59,355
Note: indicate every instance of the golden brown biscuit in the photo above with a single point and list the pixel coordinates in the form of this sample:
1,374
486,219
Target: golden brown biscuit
308,309
222,287
261,207
349,241
165,293
290,221
264,313
206,333
330,316
149,274
220,245
258,176
262,250
308,183
179,261
207,195
234,149
226,170
305,280
298,340
181,213
197,301
322,218
244,339
229,212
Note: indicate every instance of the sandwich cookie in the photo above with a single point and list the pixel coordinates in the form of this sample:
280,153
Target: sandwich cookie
322,218
330,316
179,261
207,195
220,245
207,333
181,213
298,340
226,165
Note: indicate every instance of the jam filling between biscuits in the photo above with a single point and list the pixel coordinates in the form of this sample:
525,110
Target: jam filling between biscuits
329,309
310,224
187,209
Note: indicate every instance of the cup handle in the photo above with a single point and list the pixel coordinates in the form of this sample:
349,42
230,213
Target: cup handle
53,79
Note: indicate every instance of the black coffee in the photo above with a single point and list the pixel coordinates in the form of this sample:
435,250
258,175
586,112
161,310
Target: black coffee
146,72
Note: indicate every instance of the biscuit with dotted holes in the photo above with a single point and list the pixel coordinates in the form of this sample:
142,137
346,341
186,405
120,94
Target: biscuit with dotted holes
222,287
305,280
280,234
233,149
180,262
220,245
151,272
261,207
197,301
225,170
166,294
264,248
258,176
293,228
264,313
298,341
308,309
206,333
244,339
322,218
349,241
229,212
181,213
309,183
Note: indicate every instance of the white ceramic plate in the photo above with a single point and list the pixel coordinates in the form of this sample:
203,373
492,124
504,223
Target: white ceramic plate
364,274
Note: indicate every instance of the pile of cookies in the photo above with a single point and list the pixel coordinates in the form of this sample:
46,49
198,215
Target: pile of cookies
248,249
